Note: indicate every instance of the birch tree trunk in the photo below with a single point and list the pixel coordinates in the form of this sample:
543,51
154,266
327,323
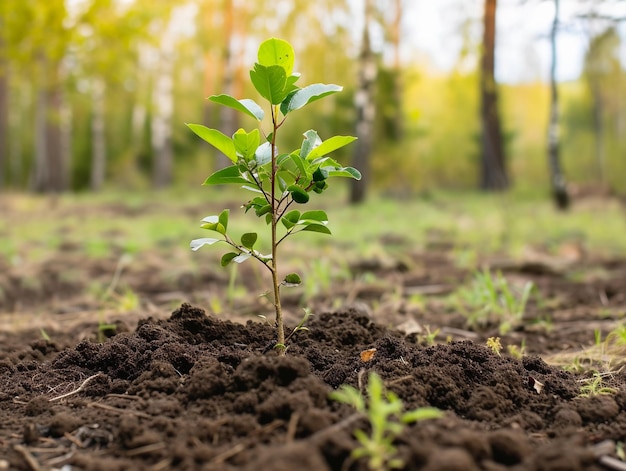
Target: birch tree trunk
493,169
598,127
4,120
40,164
163,110
365,112
227,115
557,178
98,137
396,34
19,100
50,165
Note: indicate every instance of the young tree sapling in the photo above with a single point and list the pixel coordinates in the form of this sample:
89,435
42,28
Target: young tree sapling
277,180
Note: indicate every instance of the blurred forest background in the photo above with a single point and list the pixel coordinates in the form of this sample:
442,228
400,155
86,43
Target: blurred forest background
95,93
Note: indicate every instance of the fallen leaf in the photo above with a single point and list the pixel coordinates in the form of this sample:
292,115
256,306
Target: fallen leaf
537,385
367,355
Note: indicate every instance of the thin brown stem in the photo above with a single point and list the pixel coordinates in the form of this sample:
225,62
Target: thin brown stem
274,265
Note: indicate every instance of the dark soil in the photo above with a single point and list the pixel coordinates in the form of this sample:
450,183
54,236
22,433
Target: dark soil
191,390
194,392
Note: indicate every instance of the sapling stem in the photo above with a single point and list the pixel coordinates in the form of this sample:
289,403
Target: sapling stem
280,328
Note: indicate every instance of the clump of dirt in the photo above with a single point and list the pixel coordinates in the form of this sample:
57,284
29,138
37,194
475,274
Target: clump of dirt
193,392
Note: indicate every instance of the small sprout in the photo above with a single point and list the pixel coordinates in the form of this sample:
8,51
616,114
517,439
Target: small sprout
490,299
494,344
384,410
517,352
595,386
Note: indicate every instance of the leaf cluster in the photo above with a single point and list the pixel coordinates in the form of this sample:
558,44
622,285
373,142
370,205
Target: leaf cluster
278,180
384,410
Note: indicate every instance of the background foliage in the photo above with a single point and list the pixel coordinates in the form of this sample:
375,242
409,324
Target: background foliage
82,62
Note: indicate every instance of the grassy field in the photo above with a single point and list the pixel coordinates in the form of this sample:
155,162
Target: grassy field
508,224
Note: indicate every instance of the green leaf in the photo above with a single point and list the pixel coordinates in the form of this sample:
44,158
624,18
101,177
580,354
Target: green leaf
316,215
330,145
269,82
291,86
349,395
256,202
212,223
320,187
249,239
423,413
343,172
218,140
242,257
228,257
197,243
278,52
293,279
214,226
317,228
320,175
247,106
263,153
284,179
291,218
310,142
223,219
225,176
298,194
301,163
246,143
299,98
263,210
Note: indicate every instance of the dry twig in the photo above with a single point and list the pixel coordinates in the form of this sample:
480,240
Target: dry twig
32,463
117,410
77,390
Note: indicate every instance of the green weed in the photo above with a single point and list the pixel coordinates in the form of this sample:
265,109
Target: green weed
494,344
384,410
596,386
517,352
490,299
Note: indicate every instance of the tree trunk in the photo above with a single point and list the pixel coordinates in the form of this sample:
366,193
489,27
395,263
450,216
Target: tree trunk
98,138
365,112
17,123
4,120
50,170
227,115
557,178
398,121
598,128
163,106
40,167
493,169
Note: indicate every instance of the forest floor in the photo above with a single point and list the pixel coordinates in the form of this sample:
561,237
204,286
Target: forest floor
138,357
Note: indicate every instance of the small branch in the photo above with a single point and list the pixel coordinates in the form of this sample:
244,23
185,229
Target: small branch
118,410
287,234
292,427
75,391
32,463
260,187
146,449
